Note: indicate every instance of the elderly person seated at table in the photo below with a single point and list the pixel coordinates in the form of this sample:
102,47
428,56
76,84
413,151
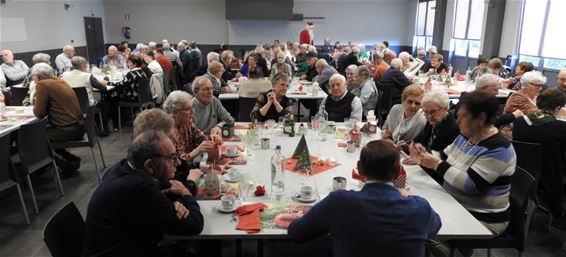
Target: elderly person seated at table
481,69
546,128
525,99
350,70
395,79
341,104
138,202
203,69
209,114
128,87
28,81
400,223
14,70
255,85
114,59
521,68
495,65
311,73
325,71
379,65
55,99
440,129
254,60
436,65
274,103
365,89
280,66
80,77
406,58
388,57
63,60
476,168
214,74
561,80
405,121
152,64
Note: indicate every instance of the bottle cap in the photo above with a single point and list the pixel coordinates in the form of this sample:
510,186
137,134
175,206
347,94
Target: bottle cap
278,147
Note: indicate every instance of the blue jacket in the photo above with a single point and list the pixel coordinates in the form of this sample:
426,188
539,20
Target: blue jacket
397,80
376,221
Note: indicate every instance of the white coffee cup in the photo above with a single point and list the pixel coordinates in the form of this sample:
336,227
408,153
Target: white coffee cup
231,150
306,192
228,202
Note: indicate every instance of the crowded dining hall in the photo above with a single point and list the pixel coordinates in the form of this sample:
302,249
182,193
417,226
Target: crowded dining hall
282,128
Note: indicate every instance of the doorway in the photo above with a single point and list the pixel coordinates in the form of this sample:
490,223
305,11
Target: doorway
94,39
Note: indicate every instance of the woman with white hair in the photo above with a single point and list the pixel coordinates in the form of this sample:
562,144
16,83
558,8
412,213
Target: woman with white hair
526,98
441,128
28,81
280,66
350,71
365,89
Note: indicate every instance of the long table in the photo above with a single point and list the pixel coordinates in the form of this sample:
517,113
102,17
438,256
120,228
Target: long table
457,222
16,117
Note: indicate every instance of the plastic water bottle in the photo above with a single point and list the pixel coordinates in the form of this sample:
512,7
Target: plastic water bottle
450,71
278,174
322,125
2,107
468,75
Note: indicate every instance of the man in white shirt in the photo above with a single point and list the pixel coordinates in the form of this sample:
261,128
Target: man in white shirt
152,64
14,70
63,60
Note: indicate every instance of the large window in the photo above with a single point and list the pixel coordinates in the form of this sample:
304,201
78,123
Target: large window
541,33
468,21
425,24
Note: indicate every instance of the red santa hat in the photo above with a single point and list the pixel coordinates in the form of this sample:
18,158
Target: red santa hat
310,23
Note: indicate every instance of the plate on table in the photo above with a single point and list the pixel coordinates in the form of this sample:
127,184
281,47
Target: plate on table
233,155
231,177
221,209
299,92
298,198
305,82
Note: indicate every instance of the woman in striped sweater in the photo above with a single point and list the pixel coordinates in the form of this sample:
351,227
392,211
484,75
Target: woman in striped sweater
476,168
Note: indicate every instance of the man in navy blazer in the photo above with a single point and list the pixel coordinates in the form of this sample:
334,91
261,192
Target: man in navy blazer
379,220
395,79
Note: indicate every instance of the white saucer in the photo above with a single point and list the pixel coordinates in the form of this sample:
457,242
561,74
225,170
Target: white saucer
234,155
229,178
221,209
305,200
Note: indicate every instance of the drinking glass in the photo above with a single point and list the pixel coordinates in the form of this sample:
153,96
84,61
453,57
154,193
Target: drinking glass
246,185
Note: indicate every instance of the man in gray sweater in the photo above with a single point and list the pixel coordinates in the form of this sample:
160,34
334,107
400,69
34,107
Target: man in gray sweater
209,114
14,70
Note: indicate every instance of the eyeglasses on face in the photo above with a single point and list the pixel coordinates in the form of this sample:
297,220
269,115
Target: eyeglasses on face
431,112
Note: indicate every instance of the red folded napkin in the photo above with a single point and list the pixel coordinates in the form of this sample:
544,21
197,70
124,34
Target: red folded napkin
249,217
357,176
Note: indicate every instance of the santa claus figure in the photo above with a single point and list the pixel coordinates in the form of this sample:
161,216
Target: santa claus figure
307,36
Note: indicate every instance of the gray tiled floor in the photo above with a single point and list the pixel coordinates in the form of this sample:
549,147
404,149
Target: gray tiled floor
20,240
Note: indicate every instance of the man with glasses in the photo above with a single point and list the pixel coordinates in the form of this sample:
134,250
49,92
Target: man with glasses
137,202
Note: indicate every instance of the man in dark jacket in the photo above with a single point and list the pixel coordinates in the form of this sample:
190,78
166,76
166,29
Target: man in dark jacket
395,79
137,202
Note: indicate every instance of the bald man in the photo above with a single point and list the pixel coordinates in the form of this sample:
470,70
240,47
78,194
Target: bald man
325,71
561,80
63,60
114,58
15,71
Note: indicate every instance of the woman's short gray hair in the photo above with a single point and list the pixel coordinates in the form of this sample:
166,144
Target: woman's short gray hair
42,70
363,71
79,62
40,58
533,77
278,77
396,63
438,97
212,56
353,68
175,100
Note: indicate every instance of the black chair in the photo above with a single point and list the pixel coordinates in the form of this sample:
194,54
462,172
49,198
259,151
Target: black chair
7,175
529,157
64,234
145,100
90,139
84,102
245,106
167,82
522,185
385,103
35,152
18,95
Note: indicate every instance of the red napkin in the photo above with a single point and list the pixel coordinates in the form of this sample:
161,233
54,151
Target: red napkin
249,217
357,176
241,126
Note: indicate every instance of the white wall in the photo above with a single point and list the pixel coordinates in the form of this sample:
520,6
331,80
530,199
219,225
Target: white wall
47,24
202,21
511,28
365,21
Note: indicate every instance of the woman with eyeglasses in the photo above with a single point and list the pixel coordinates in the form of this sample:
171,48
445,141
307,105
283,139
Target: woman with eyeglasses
441,128
526,98
189,141
406,120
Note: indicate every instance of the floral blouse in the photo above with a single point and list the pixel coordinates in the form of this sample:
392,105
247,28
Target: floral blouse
186,139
